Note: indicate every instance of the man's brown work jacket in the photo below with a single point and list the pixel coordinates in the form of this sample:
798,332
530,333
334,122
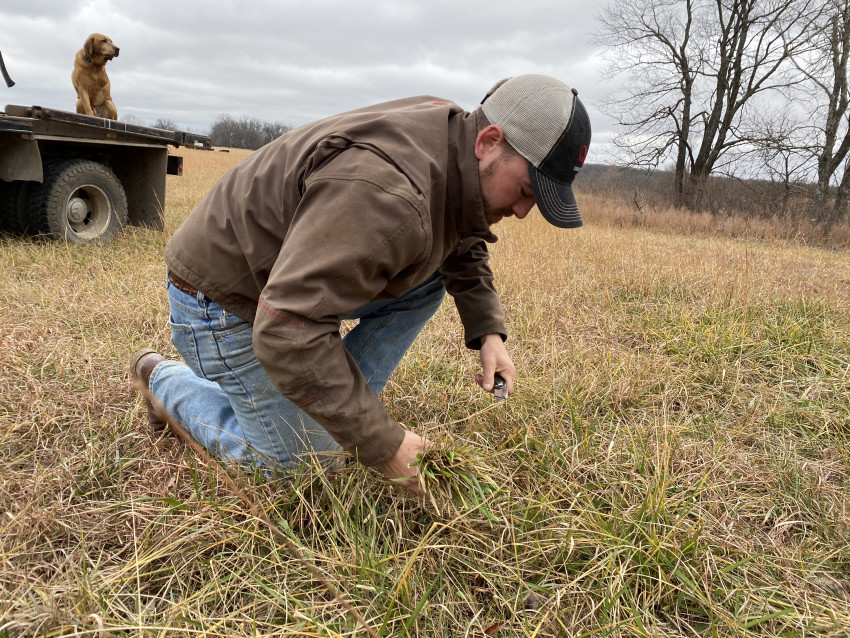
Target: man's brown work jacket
361,206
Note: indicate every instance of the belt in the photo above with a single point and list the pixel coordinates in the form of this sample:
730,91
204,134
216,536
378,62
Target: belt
182,285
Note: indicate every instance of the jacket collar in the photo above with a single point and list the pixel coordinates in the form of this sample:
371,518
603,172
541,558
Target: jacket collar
464,183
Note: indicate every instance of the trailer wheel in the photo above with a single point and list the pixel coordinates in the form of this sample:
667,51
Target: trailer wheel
14,206
80,201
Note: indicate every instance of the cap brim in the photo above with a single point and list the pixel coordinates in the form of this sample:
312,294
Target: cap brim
555,200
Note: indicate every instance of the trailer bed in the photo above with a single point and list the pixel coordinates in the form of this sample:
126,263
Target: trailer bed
82,178
45,123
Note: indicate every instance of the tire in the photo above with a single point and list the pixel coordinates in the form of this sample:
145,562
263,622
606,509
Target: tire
80,201
14,207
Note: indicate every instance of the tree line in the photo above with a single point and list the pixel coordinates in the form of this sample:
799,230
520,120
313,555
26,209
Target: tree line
246,132
753,89
227,131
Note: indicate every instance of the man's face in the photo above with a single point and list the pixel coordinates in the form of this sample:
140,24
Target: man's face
505,184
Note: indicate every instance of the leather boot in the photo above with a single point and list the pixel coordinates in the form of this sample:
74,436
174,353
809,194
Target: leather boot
142,363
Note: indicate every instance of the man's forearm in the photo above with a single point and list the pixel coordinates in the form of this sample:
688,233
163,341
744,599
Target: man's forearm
310,366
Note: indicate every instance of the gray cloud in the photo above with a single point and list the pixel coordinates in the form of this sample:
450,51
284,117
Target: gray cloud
294,62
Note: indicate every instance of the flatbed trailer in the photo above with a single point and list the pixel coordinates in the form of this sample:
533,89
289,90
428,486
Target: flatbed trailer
82,178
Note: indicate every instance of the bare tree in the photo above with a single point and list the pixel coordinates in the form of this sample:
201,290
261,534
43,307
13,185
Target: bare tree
781,154
825,68
651,43
842,197
694,69
132,119
247,132
165,123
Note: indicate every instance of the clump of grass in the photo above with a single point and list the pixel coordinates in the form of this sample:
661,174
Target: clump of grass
456,480
674,460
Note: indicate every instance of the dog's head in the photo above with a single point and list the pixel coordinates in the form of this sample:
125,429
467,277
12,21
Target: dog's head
100,48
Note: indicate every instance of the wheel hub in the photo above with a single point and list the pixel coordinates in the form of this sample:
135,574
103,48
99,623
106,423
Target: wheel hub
77,210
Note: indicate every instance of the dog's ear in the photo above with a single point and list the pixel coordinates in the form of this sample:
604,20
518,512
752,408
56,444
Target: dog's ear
88,47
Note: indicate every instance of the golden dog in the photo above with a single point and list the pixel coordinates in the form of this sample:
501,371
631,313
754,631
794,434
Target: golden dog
90,79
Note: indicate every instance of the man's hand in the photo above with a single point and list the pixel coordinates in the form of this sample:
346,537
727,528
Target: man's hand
494,358
398,465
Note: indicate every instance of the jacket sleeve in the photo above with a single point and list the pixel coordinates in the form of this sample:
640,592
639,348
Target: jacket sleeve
351,234
469,281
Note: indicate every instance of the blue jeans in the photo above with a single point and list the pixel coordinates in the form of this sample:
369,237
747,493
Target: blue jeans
224,397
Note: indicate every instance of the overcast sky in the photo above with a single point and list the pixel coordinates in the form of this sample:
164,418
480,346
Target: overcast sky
297,61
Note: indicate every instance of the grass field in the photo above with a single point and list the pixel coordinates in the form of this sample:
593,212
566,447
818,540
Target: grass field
675,460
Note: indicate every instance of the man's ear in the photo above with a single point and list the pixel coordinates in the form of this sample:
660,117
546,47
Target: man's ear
488,139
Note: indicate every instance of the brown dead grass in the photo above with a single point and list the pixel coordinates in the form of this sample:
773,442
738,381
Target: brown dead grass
674,462
622,213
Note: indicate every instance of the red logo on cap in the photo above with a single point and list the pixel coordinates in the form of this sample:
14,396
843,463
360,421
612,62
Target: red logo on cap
582,155
439,103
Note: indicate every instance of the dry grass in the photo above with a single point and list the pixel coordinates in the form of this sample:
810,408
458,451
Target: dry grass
675,461
613,209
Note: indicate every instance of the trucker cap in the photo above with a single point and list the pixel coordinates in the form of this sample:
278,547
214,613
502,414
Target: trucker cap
544,120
